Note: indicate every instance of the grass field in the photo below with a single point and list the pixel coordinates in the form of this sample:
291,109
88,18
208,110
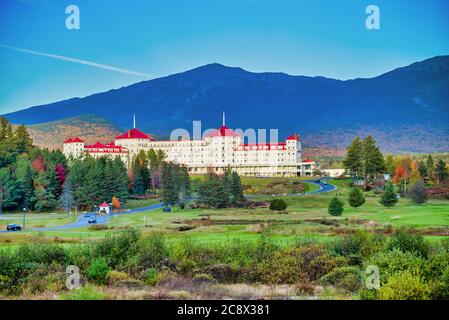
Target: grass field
307,217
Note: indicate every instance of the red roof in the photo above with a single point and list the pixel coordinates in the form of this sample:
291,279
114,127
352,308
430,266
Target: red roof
133,134
76,139
104,205
294,137
99,147
308,160
262,146
223,131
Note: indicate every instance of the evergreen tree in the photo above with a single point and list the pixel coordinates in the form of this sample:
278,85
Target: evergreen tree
10,190
67,200
335,207
389,197
373,160
138,183
45,200
23,139
120,180
213,192
236,188
422,170
356,197
441,172
430,165
353,162
170,190
184,184
25,177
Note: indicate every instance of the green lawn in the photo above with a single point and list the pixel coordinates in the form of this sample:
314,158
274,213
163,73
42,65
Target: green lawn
305,219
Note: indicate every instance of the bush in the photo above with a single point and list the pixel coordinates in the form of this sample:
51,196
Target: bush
346,278
98,271
119,248
335,207
357,246
404,286
356,198
405,241
151,276
115,277
391,262
153,251
278,204
418,193
441,288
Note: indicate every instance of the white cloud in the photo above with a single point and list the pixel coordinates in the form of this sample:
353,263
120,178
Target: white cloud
79,61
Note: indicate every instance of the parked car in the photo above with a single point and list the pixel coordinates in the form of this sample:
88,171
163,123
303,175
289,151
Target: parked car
13,227
92,219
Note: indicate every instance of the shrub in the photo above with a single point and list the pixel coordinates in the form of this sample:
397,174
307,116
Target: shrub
153,251
278,204
119,248
391,262
404,286
98,271
441,288
346,278
357,246
115,277
406,241
356,198
418,193
223,272
151,276
335,207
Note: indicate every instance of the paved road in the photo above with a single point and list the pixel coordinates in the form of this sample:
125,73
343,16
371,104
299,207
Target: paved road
81,221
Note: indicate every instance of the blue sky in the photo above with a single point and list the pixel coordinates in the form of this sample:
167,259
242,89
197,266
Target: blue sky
157,38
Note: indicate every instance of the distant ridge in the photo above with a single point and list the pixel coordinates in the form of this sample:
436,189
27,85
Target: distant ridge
407,109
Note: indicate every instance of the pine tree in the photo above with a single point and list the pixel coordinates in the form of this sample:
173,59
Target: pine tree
389,197
430,165
441,172
356,197
138,184
67,200
353,161
373,160
120,180
335,207
170,191
23,139
25,177
236,189
422,170
10,189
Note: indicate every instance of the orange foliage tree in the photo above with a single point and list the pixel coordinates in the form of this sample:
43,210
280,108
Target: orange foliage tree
115,203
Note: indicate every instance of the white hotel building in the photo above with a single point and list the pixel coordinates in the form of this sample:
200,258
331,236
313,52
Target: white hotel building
216,151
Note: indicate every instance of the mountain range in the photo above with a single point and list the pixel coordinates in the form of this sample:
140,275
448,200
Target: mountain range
406,109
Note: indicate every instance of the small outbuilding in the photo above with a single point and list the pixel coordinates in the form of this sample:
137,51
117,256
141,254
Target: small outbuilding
104,208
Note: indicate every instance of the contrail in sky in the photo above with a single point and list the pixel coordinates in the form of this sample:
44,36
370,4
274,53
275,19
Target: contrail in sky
80,61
